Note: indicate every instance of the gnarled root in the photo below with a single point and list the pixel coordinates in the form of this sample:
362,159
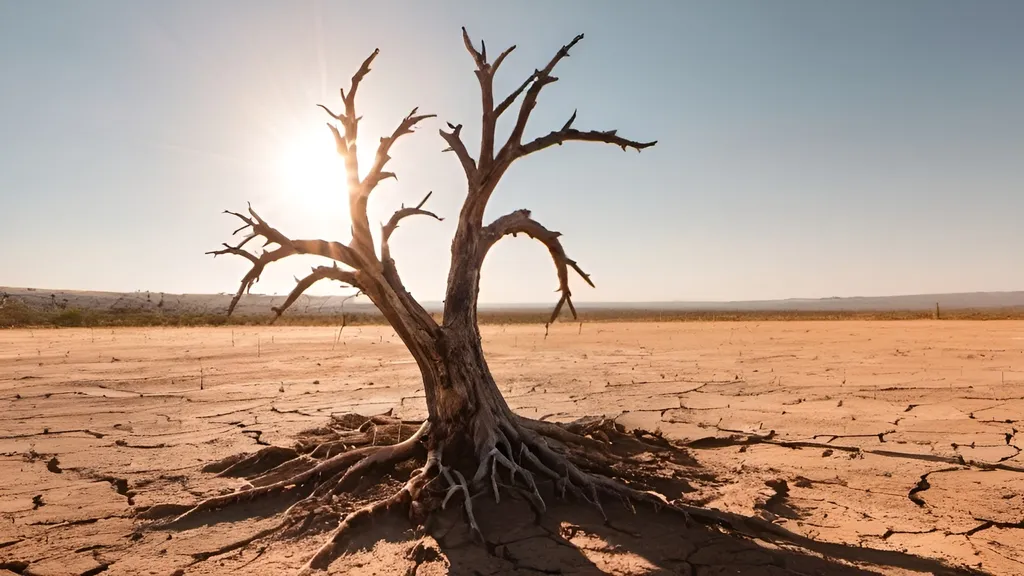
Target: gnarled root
408,493
502,451
579,458
353,450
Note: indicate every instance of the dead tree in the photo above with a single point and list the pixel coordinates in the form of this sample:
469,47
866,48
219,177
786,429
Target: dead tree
471,438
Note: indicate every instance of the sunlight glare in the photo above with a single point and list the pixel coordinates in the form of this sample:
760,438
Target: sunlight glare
312,175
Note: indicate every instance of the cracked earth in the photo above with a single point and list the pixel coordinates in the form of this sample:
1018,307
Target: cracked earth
889,447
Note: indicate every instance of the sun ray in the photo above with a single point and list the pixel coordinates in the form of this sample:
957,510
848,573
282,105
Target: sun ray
311,177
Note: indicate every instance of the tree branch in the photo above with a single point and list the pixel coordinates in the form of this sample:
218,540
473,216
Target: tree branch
480,58
456,145
351,121
346,143
253,275
488,171
318,273
485,76
376,173
390,271
485,72
511,98
378,280
567,134
536,82
388,229
501,58
286,247
520,222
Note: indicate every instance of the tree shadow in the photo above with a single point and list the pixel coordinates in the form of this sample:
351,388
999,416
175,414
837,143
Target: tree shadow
572,537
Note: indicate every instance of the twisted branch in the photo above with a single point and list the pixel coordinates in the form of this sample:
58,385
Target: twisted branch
390,271
388,229
318,273
483,174
368,275
286,247
520,222
568,133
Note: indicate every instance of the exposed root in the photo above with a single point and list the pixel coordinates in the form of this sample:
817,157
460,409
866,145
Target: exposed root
330,467
409,492
463,486
341,469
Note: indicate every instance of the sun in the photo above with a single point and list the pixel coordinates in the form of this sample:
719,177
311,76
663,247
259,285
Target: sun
312,172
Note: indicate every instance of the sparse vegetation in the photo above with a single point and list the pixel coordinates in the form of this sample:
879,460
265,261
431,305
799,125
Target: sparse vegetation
16,314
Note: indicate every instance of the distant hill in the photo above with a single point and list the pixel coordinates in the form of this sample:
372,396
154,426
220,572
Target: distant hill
260,304
125,302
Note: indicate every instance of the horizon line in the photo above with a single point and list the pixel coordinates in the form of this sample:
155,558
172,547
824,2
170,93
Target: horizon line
530,304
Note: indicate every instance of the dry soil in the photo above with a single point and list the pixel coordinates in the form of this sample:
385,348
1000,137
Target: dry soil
893,447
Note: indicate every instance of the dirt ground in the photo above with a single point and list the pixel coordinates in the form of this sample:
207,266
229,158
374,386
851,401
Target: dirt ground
891,446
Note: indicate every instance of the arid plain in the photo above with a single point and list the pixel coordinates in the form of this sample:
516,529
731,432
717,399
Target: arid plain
892,447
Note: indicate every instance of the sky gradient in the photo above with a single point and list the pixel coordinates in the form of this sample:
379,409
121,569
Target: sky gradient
807,148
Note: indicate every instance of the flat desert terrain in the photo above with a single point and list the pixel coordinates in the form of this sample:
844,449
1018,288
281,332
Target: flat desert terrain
889,447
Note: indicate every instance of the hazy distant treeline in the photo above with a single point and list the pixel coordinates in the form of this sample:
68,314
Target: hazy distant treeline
39,309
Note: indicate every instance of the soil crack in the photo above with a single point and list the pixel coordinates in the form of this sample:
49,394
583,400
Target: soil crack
741,438
986,524
48,432
923,485
834,437
889,532
257,436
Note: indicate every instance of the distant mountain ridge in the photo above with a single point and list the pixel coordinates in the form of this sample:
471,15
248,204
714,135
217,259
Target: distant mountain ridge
260,304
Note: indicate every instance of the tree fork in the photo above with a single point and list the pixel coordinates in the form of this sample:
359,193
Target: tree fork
471,440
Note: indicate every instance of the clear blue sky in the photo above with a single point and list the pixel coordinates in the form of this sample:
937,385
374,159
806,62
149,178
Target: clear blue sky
806,148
